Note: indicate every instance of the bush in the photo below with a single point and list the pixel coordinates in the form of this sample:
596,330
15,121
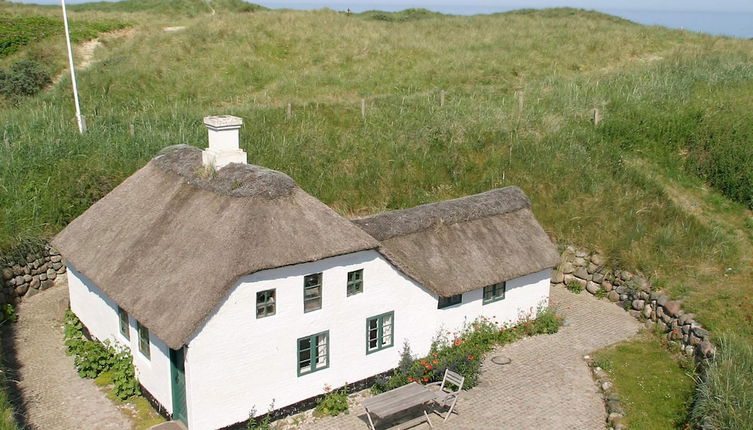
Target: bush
93,358
723,397
25,78
334,403
8,314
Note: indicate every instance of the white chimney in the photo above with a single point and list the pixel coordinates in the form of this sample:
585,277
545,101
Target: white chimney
224,147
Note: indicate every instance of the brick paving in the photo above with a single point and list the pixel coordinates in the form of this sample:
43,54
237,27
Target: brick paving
546,386
53,396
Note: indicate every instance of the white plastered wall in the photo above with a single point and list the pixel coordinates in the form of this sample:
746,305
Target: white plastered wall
236,362
100,315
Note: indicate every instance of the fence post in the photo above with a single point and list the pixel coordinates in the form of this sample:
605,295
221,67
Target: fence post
596,117
363,108
83,124
441,98
290,110
131,130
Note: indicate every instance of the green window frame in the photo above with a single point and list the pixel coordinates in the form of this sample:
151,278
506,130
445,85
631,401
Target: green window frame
494,292
313,353
380,332
144,344
266,303
445,302
312,292
124,327
355,282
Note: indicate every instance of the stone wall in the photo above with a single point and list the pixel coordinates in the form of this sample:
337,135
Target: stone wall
26,276
634,293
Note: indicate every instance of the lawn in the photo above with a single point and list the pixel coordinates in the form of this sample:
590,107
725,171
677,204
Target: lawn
654,384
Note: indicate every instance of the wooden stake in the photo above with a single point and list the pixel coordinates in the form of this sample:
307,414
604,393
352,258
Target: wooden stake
363,108
290,111
441,98
131,130
83,124
596,117
521,101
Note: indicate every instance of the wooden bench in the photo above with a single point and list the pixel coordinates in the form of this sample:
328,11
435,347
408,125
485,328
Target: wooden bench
398,400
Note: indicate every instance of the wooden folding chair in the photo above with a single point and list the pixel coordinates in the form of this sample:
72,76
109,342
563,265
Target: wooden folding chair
446,396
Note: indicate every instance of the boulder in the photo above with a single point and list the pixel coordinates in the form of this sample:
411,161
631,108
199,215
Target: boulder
558,277
43,276
635,314
592,287
592,268
607,286
661,299
672,308
22,289
638,304
705,349
17,270
34,283
625,275
703,334
643,284
32,292
598,277
27,278
7,273
19,280
581,254
613,296
598,260
614,419
689,350
686,319
582,273
685,329
579,261
662,326
648,312
56,258
567,267
51,274
45,285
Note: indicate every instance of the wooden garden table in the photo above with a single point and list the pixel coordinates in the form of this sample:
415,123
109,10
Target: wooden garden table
398,400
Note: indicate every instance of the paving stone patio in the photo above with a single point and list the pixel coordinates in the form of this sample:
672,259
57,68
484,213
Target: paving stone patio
546,386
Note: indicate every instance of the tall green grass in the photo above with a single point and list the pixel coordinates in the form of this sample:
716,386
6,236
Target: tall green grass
724,393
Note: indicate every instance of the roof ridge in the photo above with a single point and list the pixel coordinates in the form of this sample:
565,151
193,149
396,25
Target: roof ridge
402,222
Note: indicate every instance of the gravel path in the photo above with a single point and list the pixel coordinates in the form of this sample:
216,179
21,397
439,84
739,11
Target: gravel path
53,396
547,385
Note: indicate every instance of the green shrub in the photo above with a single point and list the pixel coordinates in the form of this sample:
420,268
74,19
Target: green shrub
333,403
547,322
93,358
574,287
25,78
9,313
724,390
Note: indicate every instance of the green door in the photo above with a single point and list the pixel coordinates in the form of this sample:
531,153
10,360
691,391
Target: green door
178,377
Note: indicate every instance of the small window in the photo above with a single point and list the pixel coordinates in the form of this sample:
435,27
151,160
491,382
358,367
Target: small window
379,332
312,292
494,292
143,340
124,329
355,282
444,302
265,303
313,353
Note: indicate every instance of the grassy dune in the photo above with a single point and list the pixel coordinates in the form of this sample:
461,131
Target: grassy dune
663,185
519,86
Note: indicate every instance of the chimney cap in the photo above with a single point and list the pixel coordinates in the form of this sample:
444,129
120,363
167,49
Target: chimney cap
223,122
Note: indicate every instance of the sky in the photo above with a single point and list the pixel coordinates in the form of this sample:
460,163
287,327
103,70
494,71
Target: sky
664,5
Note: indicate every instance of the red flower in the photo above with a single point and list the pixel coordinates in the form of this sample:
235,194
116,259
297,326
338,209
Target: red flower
458,342
428,366
470,357
435,361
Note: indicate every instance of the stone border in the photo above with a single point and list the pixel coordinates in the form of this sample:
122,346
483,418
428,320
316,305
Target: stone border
27,276
615,410
634,293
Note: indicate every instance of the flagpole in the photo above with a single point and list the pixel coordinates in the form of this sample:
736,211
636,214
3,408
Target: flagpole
79,120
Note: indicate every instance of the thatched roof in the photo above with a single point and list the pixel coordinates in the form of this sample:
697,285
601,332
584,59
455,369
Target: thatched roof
167,244
460,245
